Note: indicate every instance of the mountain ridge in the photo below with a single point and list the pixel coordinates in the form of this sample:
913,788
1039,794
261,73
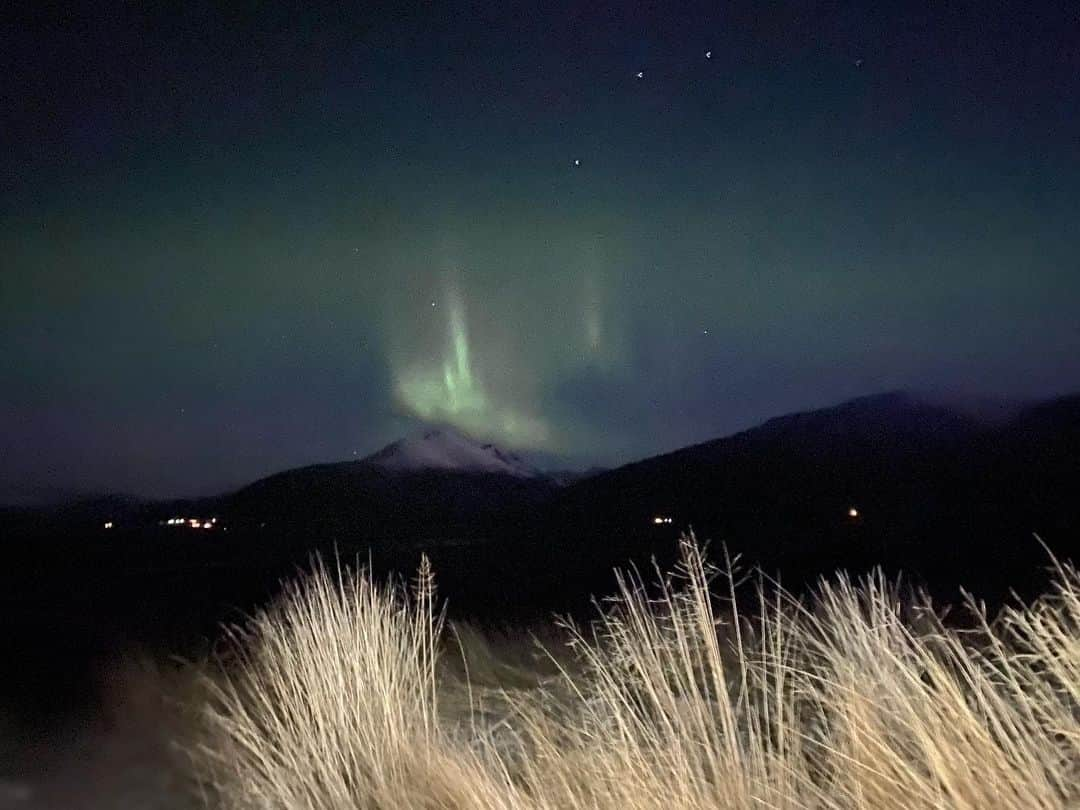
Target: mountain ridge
446,448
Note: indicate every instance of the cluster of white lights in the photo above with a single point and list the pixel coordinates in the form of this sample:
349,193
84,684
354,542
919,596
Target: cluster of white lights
109,524
195,523
658,520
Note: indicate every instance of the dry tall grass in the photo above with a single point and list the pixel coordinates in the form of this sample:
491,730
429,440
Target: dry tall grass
342,696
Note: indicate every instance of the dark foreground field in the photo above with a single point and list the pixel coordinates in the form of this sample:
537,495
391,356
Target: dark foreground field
122,675
95,621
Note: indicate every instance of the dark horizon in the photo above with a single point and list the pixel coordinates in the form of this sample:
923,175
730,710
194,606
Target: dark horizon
237,243
988,411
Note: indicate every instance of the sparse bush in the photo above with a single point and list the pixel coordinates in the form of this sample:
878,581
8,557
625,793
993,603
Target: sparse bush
338,698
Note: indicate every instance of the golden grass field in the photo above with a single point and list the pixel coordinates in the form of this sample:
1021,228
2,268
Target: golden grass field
353,694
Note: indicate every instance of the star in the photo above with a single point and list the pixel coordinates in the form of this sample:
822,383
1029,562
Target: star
708,54
433,305
640,74
858,63
577,162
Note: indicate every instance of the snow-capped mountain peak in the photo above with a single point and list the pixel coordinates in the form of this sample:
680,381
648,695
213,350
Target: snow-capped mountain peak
447,449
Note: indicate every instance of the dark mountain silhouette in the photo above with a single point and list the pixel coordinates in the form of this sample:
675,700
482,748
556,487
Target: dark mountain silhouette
567,477
437,488
891,480
360,503
941,495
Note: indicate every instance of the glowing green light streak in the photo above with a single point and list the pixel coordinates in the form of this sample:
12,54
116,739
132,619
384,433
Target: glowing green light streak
456,396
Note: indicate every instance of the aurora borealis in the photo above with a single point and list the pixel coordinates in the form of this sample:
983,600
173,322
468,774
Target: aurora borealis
454,395
238,242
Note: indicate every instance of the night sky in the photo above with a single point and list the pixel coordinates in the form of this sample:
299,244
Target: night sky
235,243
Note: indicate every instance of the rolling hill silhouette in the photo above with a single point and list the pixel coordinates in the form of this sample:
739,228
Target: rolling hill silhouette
890,479
947,498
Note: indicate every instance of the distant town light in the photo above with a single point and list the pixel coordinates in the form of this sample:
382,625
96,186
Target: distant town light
208,525
108,524
661,519
853,512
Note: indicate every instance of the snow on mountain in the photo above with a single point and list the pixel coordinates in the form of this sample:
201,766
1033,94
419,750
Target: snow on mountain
447,449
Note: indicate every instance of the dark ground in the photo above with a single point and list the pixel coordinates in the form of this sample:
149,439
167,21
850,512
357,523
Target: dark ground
92,619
